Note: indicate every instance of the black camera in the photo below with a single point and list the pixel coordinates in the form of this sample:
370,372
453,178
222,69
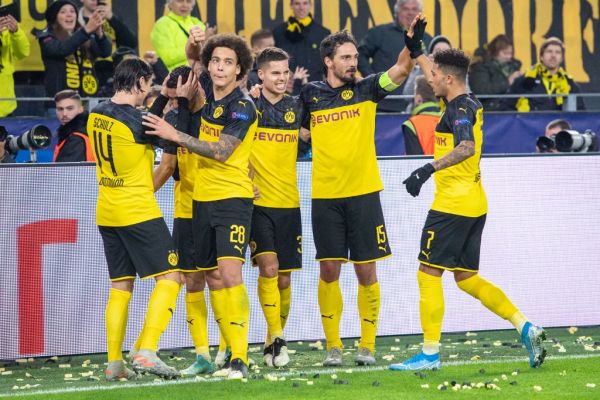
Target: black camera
567,141
38,137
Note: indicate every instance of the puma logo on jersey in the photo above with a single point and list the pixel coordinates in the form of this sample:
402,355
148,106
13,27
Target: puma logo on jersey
243,103
260,114
315,99
462,109
426,254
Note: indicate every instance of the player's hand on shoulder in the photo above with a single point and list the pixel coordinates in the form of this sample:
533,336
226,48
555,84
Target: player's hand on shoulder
159,127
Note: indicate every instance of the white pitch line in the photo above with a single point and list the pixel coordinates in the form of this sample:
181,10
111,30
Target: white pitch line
323,371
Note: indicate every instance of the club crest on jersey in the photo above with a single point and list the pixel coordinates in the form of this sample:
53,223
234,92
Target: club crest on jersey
173,259
218,112
290,117
347,94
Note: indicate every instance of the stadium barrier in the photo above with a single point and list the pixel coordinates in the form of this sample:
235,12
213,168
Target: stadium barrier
539,245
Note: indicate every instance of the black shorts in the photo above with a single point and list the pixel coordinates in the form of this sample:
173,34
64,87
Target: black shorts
451,241
184,243
277,231
221,229
353,224
145,248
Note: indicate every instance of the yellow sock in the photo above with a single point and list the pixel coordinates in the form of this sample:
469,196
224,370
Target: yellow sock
218,302
286,300
116,322
518,320
489,295
368,310
268,295
331,305
239,316
197,314
431,308
161,307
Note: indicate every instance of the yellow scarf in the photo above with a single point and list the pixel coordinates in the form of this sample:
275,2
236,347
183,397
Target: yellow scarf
554,84
296,25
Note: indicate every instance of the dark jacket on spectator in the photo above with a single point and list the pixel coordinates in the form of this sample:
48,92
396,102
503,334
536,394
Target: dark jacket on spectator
69,64
491,77
73,142
303,46
537,80
380,47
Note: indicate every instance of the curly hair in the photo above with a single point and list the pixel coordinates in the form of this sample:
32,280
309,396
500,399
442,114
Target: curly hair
453,61
233,42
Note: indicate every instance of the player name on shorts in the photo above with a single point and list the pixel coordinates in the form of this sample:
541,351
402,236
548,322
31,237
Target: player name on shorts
276,137
334,116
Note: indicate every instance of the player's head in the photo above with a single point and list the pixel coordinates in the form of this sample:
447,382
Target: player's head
406,10
339,52
227,58
183,72
273,69
133,76
300,8
552,53
183,8
90,5
450,68
261,39
423,92
68,105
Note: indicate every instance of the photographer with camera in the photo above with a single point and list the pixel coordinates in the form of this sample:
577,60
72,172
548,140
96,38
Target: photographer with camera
13,46
561,137
5,156
73,142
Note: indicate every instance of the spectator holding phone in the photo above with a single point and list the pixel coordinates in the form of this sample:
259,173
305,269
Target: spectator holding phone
69,50
13,46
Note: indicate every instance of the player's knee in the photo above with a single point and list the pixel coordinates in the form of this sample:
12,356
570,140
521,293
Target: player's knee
268,271
195,282
175,276
125,285
213,279
366,273
284,280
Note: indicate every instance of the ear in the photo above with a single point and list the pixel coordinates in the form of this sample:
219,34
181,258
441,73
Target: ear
238,69
261,74
418,99
328,62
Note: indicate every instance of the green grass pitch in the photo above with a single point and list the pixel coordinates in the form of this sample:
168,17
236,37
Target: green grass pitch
490,364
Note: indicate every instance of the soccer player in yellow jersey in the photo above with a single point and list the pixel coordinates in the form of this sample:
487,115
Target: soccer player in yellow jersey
223,190
276,239
451,237
136,238
347,219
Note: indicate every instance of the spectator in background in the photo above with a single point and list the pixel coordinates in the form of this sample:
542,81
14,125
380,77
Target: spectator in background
69,51
545,77
419,129
379,49
547,143
13,46
118,33
556,126
171,32
73,142
496,71
300,37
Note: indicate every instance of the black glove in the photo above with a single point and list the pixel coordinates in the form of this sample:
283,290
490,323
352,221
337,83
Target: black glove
418,178
415,43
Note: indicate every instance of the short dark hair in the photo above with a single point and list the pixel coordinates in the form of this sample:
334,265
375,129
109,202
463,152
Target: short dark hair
128,73
260,35
233,42
423,89
67,94
563,124
330,44
499,43
183,71
454,62
271,54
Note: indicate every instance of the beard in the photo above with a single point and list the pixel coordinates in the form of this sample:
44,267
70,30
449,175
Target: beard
345,78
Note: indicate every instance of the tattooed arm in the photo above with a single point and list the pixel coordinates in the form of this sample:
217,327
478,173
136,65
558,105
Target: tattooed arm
219,151
463,151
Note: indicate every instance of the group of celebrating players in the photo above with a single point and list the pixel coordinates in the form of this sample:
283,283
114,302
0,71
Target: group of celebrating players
233,158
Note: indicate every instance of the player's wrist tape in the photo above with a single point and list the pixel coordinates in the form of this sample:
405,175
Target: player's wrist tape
386,83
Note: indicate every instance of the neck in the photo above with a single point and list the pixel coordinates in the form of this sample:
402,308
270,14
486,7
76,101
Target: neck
551,71
125,98
223,91
272,97
454,92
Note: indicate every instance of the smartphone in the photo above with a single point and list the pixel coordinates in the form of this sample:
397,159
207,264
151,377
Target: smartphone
10,9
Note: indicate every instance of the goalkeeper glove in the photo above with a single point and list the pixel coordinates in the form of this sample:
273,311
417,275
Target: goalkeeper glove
418,178
415,43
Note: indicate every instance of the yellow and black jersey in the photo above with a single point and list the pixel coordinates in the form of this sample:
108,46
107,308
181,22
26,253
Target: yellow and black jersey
458,188
124,165
275,151
187,166
233,115
342,126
